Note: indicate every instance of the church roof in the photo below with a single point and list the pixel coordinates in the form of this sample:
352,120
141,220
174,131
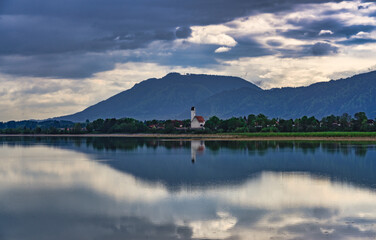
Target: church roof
200,119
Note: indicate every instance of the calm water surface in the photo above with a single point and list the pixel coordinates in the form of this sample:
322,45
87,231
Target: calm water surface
118,188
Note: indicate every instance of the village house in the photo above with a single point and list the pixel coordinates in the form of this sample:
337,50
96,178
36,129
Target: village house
197,122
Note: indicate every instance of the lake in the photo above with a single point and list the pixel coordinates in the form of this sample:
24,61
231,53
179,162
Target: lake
126,188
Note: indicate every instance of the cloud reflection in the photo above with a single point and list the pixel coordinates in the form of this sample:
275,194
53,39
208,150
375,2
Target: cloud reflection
62,194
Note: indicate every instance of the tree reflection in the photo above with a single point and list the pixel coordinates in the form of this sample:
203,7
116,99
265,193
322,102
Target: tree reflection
169,160
259,148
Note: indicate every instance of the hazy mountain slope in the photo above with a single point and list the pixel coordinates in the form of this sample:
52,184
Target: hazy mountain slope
161,98
350,95
172,96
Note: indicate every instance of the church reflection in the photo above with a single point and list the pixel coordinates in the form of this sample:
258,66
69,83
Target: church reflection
197,147
257,148
153,192
167,160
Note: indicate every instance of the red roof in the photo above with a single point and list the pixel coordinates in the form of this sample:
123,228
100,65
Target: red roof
200,119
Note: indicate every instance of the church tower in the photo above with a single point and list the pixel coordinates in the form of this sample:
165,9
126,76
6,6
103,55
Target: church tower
193,113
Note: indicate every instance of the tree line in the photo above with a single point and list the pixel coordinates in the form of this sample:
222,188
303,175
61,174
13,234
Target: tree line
261,123
252,123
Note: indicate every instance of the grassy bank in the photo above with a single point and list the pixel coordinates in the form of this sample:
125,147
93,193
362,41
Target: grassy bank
306,134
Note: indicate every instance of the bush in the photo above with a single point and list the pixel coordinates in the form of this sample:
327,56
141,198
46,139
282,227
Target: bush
241,129
270,129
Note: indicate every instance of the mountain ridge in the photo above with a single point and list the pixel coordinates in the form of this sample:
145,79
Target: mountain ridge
161,98
171,97
349,95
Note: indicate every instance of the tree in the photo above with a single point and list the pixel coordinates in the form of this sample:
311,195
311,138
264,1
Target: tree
345,121
38,130
285,125
261,120
213,123
89,127
98,124
230,125
360,122
77,128
53,130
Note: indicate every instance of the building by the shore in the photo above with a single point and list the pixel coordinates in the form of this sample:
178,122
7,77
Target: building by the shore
197,122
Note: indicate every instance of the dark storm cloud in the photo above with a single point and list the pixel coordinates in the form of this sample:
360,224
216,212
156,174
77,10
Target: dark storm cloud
373,14
137,228
34,28
357,41
274,43
245,48
322,48
317,49
195,55
309,29
183,32
46,26
203,55
63,65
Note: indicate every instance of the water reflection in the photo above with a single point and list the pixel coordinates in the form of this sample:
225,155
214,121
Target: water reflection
259,147
196,147
87,188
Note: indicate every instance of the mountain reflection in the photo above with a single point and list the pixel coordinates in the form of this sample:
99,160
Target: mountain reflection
68,189
219,162
128,144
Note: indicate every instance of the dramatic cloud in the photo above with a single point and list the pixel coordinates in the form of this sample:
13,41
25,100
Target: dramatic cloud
322,48
63,65
83,26
183,32
78,40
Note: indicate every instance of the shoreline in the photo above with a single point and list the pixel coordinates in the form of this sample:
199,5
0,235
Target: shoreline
208,137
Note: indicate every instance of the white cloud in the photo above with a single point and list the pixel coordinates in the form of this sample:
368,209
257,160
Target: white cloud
213,34
364,35
273,71
40,98
323,32
222,49
263,27
215,228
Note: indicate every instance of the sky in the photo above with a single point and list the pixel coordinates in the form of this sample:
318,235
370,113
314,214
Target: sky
59,57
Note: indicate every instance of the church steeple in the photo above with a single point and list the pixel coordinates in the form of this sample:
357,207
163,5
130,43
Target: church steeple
193,113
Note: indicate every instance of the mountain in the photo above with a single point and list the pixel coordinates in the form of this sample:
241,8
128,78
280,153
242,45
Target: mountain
350,95
172,96
164,98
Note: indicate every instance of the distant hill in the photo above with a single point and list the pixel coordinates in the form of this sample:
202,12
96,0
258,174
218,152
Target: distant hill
350,95
172,96
164,98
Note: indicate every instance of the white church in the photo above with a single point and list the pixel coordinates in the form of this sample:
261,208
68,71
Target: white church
197,122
